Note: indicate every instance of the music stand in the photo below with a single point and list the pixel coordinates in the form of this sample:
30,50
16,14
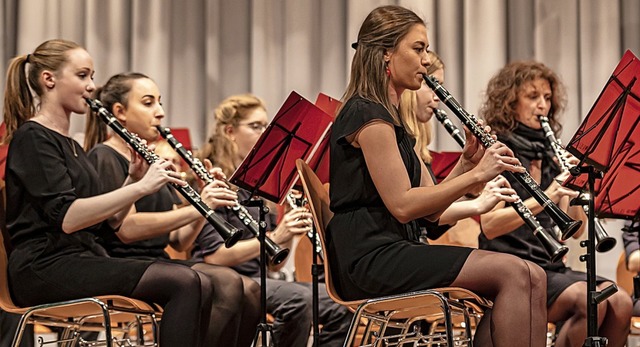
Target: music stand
269,169
605,144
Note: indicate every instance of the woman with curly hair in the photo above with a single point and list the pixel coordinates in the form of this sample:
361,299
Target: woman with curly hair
517,96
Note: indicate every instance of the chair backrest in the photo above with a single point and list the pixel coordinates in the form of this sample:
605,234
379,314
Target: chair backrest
6,303
624,277
318,198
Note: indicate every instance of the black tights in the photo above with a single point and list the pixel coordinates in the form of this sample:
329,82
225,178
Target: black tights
186,296
236,305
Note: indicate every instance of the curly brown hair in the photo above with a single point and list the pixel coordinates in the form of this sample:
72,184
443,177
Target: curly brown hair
501,98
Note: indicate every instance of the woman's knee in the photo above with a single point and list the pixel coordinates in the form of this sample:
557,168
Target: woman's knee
620,303
251,289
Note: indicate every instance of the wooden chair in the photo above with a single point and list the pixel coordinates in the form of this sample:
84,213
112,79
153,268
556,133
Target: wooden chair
111,313
402,311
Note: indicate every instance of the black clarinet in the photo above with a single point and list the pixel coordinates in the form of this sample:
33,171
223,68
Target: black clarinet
555,249
564,222
277,254
300,202
230,233
604,242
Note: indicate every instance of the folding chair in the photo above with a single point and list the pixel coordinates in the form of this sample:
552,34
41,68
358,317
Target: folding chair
401,312
102,313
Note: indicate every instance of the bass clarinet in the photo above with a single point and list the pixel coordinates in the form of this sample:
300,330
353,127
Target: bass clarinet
551,245
276,254
230,233
604,242
564,222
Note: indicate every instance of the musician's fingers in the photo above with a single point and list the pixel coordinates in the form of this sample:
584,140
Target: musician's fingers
207,164
509,198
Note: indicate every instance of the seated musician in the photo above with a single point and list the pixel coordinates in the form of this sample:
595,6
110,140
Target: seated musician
456,227
239,121
631,239
155,221
517,96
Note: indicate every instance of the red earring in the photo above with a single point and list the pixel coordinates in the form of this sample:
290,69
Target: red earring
387,71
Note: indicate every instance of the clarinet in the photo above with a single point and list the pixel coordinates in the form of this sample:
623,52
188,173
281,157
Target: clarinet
230,233
604,242
277,254
295,203
551,245
564,222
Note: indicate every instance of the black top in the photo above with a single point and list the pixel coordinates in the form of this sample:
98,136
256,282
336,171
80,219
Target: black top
39,189
371,253
522,242
114,168
46,172
210,240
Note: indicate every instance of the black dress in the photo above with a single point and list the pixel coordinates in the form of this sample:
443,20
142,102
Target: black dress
114,168
522,242
372,253
45,173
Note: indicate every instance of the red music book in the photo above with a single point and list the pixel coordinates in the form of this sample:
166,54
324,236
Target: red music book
442,163
608,139
269,170
319,162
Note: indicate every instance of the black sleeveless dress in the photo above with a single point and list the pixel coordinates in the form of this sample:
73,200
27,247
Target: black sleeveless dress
372,253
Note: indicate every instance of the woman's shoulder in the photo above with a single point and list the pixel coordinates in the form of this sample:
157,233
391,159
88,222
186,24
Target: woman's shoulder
360,110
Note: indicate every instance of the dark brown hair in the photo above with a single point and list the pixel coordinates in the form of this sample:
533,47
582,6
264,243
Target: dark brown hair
116,90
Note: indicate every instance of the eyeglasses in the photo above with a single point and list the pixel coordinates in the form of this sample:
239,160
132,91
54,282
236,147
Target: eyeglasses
255,126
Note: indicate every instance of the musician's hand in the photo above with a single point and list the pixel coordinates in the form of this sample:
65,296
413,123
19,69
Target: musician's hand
159,174
570,159
137,165
496,190
217,194
497,159
472,151
295,222
556,191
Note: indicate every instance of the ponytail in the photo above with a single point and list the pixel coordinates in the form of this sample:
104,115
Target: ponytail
18,101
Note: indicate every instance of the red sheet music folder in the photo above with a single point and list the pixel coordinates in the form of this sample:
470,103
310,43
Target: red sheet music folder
609,139
442,163
269,170
319,162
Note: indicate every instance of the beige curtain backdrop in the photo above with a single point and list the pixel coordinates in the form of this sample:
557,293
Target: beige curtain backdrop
199,51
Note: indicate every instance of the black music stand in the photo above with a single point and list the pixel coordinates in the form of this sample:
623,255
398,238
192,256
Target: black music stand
269,171
604,143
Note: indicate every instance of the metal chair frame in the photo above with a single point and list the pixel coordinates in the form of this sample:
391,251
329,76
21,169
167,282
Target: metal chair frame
111,313
395,311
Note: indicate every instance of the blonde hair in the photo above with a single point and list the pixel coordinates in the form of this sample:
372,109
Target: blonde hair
380,32
408,106
19,102
436,63
220,149
419,130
